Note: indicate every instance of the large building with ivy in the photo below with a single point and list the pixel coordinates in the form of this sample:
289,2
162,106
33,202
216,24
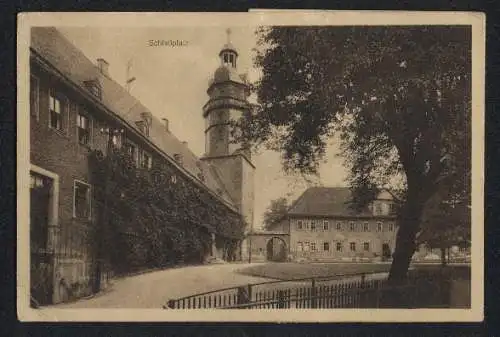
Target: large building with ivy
113,191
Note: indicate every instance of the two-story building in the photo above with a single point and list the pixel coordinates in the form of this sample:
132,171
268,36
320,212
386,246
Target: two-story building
322,225
77,108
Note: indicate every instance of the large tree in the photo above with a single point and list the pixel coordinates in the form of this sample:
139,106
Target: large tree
399,98
275,212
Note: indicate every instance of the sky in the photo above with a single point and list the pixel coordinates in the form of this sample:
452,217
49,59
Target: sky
172,82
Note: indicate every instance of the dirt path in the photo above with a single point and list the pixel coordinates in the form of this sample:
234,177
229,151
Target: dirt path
152,290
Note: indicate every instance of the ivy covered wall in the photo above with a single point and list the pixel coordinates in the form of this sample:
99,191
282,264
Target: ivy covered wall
158,217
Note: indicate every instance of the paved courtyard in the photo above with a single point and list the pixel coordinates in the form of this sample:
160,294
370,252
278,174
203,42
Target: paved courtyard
152,290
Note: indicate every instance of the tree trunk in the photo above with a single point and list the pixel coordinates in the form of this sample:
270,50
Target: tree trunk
409,223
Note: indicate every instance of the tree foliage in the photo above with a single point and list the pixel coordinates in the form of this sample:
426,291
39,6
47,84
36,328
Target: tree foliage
398,97
445,222
157,217
276,210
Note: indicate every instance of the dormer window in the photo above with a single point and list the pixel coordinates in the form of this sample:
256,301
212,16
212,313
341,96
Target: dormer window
94,86
178,158
143,127
96,91
144,123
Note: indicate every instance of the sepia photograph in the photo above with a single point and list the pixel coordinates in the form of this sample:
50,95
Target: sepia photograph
282,167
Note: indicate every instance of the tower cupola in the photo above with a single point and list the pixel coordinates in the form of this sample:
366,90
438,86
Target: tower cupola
228,53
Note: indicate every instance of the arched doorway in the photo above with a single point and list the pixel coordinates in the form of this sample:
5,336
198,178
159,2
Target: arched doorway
276,250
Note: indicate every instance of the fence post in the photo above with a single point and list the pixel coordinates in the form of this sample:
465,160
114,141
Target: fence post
362,292
243,295
249,293
313,293
281,299
170,304
377,294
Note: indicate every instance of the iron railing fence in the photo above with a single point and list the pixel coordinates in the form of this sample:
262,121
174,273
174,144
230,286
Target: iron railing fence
340,291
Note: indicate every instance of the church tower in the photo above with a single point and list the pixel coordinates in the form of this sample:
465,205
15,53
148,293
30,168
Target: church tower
228,92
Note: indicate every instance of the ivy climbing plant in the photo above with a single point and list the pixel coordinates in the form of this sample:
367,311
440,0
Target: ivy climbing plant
150,218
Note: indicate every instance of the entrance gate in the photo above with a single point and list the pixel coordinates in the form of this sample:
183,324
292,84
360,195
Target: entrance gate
276,250
41,264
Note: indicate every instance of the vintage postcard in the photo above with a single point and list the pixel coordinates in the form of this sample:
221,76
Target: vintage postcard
275,166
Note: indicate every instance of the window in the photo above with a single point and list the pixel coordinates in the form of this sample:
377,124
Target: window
313,246
313,225
116,139
299,225
173,179
352,246
351,226
56,113
178,158
81,199
339,226
392,208
83,128
306,246
95,89
365,227
366,246
339,246
131,150
306,225
146,160
34,96
378,209
326,246
143,127
391,227
326,225
379,226
300,247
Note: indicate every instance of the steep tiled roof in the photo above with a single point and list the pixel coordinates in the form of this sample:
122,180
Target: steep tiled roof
50,44
326,201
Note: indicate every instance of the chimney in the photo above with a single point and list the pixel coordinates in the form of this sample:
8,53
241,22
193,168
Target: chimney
165,124
103,66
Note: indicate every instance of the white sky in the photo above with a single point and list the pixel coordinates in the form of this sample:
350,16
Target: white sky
172,83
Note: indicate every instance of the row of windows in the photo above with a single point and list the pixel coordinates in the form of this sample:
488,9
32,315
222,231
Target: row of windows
315,225
59,109
311,246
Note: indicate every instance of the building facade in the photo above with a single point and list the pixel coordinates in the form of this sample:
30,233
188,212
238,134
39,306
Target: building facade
77,109
321,225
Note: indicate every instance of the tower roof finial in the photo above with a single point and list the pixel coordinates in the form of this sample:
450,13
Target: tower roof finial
228,33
